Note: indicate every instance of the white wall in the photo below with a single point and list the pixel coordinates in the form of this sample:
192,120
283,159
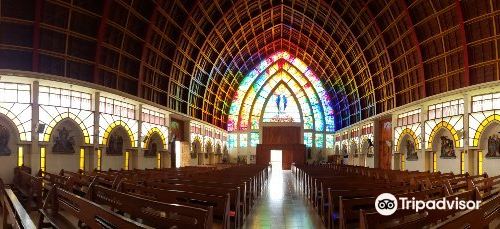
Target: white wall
370,162
491,166
112,162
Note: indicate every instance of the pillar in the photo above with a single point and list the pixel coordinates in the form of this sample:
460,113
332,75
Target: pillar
33,158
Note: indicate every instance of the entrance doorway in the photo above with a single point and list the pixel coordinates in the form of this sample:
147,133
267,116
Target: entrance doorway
177,151
276,159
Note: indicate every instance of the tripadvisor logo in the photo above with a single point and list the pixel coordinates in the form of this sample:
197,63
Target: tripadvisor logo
386,204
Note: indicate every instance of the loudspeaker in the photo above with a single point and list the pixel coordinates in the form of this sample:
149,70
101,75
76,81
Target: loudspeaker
370,143
40,128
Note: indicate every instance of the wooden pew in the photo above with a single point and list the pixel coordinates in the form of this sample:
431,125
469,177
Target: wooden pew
13,213
236,206
90,214
80,181
474,219
153,213
29,187
372,219
220,204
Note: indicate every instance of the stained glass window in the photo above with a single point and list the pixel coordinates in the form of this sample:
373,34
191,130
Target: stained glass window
330,141
254,139
243,140
409,118
116,107
281,106
15,93
319,140
308,139
153,117
486,102
15,103
446,109
258,84
57,104
231,140
64,98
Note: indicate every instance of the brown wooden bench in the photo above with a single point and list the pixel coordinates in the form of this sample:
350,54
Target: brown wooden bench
13,213
60,202
474,219
236,206
372,219
220,204
29,187
153,213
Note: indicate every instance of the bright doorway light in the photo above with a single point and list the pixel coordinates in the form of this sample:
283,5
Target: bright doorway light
276,159
177,154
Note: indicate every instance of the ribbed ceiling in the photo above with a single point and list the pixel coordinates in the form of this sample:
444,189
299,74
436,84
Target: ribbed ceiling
371,56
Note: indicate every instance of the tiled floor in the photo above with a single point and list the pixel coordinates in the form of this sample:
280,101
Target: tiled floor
282,205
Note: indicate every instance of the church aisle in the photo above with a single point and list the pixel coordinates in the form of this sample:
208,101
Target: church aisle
282,205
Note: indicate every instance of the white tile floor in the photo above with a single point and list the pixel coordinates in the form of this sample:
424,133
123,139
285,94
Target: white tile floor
282,205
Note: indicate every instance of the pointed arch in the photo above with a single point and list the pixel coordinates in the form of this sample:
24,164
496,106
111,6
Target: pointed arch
485,123
67,116
21,120
449,127
112,126
268,87
271,93
410,133
243,100
150,134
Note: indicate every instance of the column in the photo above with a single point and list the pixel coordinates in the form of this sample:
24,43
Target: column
93,158
469,154
376,143
138,158
423,145
33,158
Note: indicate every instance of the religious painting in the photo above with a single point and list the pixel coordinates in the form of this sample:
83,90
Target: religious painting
63,142
369,148
218,149
152,150
225,155
354,148
176,129
4,141
493,147
344,150
411,154
195,148
447,148
115,145
155,145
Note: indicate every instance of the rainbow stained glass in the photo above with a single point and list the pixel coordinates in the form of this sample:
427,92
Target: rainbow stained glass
231,140
308,139
280,65
281,106
319,140
254,139
330,141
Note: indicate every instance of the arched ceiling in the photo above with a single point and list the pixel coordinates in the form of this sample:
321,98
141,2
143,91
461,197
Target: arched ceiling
371,55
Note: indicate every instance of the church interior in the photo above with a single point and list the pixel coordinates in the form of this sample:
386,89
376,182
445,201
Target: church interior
249,113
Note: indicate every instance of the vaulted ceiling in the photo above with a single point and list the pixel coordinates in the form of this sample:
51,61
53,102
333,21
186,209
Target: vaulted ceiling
190,56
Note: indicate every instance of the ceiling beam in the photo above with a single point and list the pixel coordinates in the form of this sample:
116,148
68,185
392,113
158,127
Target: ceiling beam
100,37
465,53
413,34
